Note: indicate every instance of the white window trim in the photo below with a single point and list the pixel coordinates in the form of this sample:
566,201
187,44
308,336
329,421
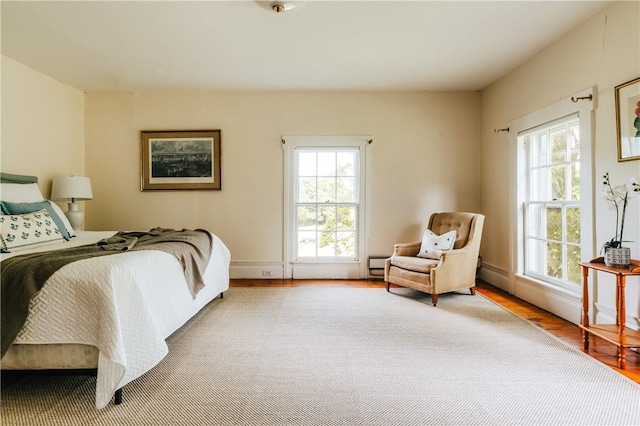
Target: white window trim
321,268
517,193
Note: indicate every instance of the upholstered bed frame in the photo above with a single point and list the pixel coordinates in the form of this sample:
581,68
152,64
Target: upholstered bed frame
124,350
9,178
76,358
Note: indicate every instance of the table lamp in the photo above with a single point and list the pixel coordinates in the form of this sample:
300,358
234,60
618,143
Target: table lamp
72,189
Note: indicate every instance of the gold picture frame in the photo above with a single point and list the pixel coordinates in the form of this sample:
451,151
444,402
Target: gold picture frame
628,120
180,159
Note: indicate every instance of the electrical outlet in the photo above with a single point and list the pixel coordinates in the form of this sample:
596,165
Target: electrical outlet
266,273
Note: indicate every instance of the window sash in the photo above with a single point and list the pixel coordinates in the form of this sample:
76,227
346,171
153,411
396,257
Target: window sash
552,186
335,235
538,243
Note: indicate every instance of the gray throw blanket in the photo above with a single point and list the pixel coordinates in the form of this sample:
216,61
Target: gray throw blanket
23,276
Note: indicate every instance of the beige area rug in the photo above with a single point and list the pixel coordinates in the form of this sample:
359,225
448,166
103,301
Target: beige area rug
346,356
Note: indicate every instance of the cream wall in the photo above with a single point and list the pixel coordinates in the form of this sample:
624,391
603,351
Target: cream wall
602,52
423,159
42,125
424,156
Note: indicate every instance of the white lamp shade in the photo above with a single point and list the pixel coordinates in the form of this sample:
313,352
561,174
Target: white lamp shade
71,188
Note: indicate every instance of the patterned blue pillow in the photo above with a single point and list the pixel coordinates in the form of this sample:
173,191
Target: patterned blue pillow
19,232
20,208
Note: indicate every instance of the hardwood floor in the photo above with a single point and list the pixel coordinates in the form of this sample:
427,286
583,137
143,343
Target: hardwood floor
564,330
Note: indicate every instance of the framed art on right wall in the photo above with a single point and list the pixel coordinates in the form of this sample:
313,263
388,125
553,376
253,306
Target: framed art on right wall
628,120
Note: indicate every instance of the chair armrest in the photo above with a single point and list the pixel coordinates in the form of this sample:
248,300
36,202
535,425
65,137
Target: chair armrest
455,253
406,249
457,267
456,258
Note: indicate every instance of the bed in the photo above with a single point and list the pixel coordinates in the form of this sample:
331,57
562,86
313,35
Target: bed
110,313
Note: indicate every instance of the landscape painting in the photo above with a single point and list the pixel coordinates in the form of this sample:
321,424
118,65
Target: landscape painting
181,160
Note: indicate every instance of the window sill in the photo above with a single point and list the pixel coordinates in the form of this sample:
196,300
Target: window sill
561,291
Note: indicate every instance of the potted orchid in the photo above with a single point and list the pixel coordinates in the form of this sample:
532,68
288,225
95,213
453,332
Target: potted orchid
618,196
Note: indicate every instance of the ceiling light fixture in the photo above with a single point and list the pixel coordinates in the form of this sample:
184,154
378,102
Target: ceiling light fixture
279,6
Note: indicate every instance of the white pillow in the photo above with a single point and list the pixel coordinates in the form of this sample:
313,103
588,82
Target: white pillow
433,245
64,219
20,192
23,231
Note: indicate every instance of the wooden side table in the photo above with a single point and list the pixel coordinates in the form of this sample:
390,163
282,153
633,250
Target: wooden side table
617,334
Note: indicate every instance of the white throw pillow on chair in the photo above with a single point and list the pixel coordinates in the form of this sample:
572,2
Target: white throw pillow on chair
433,245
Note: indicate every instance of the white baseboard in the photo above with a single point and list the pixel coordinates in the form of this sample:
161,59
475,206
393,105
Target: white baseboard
328,270
275,270
606,314
256,270
495,276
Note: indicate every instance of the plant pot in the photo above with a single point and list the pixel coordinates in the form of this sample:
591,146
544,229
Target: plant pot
617,257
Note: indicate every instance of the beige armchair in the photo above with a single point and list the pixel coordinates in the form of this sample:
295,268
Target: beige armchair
456,268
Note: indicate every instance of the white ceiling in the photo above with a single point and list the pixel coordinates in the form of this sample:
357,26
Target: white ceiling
323,45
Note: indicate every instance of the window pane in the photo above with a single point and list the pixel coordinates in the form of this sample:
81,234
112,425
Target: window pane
574,274
346,218
345,187
574,134
327,243
326,190
307,217
539,149
539,185
326,163
575,181
346,163
554,260
307,190
533,150
346,244
554,223
534,225
573,225
327,218
558,185
306,243
535,256
306,164
559,146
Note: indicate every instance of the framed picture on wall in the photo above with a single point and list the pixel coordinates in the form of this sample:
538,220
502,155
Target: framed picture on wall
628,120
180,159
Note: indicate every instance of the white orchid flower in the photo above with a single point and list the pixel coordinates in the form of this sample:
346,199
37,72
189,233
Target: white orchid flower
632,187
608,194
619,196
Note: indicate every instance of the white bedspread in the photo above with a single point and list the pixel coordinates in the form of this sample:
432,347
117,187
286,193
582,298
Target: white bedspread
125,304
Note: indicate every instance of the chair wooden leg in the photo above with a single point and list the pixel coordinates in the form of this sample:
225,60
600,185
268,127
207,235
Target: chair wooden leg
434,299
388,284
473,291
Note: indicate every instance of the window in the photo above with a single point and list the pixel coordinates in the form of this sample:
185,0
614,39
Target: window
325,212
326,203
552,243
551,198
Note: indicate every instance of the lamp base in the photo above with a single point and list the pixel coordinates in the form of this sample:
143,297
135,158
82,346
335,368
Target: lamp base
75,216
